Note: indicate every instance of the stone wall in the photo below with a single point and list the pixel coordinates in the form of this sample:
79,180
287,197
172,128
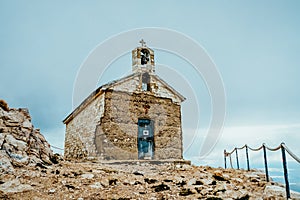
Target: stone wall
106,127
116,136
80,130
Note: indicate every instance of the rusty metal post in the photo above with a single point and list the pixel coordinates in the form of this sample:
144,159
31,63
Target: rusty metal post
225,158
266,162
287,185
237,159
247,157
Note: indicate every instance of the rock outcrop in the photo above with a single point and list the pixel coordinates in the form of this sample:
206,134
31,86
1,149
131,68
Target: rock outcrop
20,143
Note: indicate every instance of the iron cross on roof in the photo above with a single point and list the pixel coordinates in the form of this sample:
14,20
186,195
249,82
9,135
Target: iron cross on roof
143,43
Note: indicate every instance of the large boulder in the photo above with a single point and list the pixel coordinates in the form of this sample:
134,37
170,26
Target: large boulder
20,143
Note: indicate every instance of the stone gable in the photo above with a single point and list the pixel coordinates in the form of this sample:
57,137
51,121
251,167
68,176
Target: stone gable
135,117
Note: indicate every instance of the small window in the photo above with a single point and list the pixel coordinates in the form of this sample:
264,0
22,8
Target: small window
145,56
146,82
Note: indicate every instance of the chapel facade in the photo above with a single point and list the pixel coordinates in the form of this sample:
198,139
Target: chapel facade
135,117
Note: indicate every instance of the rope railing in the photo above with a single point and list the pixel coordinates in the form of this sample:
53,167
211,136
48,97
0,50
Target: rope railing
241,147
257,149
291,153
54,147
273,149
264,147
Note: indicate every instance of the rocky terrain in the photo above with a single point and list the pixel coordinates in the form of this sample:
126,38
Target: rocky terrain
137,180
21,144
29,170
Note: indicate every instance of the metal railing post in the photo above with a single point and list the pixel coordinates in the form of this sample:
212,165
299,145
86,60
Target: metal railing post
266,162
287,185
230,159
283,148
225,158
237,159
247,157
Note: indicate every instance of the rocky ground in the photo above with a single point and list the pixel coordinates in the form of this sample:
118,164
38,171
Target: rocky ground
29,170
137,180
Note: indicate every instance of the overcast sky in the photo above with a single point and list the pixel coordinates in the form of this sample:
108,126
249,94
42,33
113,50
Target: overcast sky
254,44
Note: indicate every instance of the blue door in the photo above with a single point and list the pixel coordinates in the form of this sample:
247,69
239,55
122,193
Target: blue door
145,139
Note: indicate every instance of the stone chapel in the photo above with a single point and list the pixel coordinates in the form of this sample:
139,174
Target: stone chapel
135,117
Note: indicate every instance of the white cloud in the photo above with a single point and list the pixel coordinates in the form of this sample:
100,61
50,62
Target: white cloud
253,136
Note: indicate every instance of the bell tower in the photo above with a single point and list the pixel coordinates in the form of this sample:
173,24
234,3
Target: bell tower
143,59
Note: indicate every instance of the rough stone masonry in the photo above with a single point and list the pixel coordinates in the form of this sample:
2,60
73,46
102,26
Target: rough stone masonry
135,117
112,139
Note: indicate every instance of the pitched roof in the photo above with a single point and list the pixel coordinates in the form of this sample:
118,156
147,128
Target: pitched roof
111,84
181,97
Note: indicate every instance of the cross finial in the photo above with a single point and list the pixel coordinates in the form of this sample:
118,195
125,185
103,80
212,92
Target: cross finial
143,43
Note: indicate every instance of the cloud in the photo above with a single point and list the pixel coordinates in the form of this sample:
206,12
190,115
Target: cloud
254,136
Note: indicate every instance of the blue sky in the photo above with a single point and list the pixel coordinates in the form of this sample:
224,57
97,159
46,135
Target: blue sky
254,44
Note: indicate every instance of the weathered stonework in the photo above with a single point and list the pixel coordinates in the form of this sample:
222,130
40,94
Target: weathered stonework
80,131
116,136
136,117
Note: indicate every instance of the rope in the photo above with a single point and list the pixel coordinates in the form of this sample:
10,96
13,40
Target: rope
264,145
229,153
241,147
56,147
291,153
273,149
257,149
283,148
